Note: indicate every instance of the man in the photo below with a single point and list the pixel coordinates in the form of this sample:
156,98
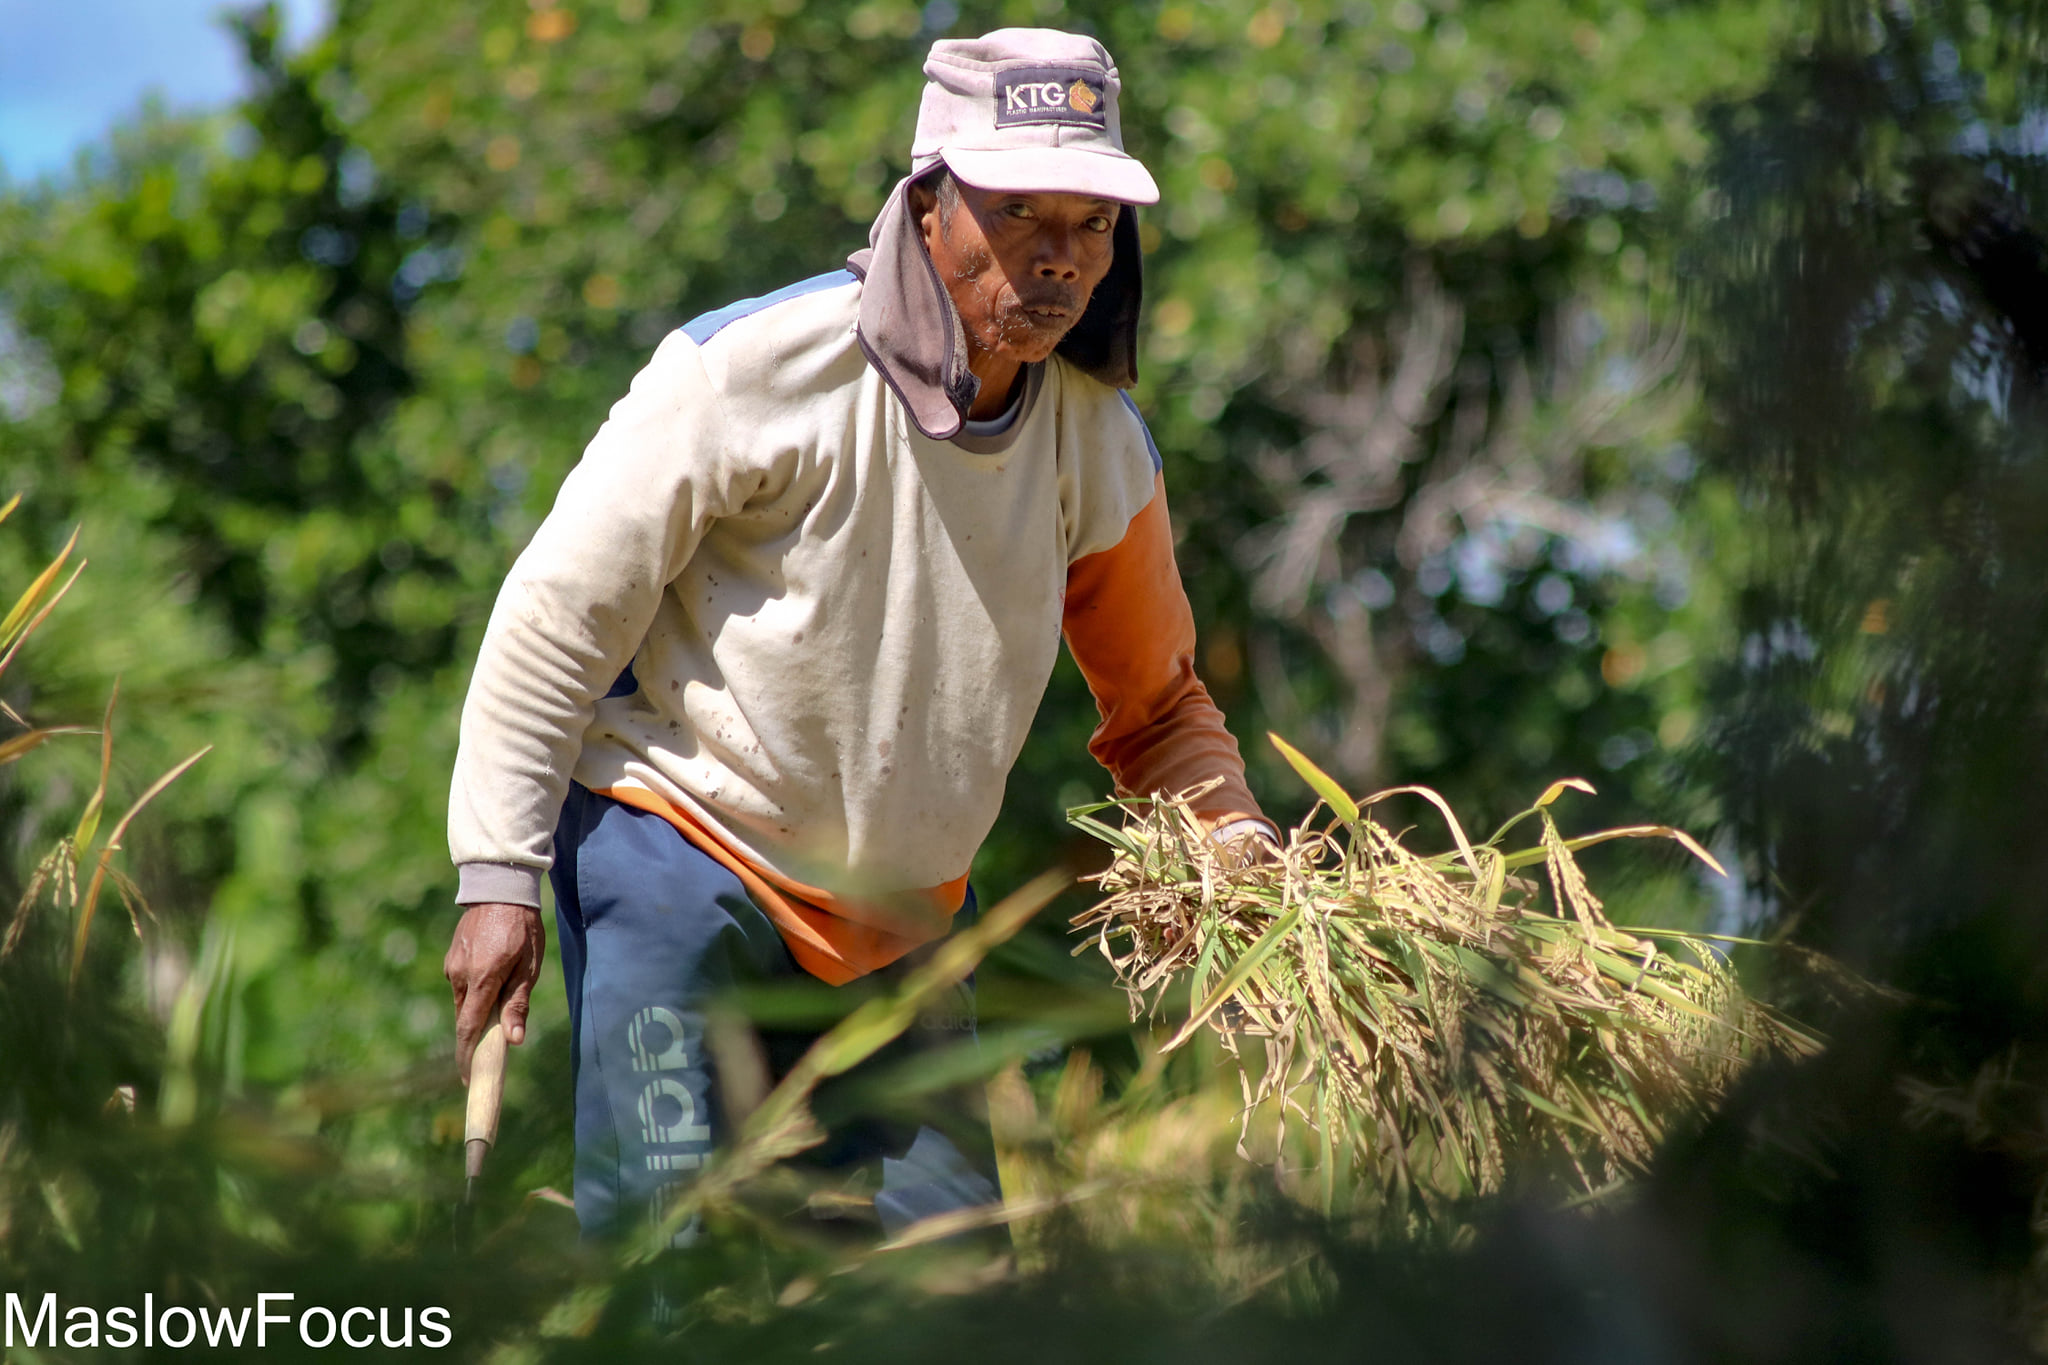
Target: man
752,692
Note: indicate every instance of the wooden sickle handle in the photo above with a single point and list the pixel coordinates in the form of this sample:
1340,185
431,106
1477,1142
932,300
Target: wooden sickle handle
486,1095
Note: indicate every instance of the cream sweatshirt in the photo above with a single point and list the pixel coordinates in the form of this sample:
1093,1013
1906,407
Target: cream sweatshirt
830,631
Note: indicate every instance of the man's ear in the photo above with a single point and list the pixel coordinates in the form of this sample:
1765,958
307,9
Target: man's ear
924,207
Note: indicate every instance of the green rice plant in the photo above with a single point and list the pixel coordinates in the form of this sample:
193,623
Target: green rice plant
1433,1026
59,870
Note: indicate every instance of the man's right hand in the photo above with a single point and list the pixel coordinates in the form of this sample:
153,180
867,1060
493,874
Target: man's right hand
496,953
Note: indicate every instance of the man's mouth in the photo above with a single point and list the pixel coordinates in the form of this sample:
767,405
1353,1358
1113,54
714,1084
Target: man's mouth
1047,314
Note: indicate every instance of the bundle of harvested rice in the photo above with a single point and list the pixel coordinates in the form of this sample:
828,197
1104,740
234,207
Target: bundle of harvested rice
1437,1026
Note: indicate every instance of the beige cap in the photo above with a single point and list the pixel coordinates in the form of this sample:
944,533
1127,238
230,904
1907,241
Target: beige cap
1031,110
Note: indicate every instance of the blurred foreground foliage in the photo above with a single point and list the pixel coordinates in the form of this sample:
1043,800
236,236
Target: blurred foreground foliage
1465,496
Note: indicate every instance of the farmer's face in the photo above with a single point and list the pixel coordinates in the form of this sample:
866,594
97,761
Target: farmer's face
1020,267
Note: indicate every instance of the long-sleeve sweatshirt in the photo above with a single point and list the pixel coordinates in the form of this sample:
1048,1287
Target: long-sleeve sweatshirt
770,609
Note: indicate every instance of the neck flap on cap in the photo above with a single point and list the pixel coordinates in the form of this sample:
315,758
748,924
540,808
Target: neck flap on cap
912,334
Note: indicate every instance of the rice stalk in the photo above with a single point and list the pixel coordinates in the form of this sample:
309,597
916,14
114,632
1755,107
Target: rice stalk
58,870
1439,1026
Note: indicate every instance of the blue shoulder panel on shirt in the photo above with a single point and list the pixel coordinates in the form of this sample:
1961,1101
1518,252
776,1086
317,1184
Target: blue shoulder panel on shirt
1158,465
702,329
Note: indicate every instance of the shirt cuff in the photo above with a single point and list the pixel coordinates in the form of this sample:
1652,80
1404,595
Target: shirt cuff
1243,825
498,883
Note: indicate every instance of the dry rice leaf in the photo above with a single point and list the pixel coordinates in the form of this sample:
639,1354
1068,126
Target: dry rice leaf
1435,1026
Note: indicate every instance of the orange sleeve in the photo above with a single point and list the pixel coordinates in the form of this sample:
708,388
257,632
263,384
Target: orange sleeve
1129,627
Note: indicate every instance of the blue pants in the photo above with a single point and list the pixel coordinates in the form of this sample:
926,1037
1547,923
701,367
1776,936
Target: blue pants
652,930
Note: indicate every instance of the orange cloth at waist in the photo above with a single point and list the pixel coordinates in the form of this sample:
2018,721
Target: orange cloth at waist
834,938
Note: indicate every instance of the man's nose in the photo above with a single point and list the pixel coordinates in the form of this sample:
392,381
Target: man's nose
1055,256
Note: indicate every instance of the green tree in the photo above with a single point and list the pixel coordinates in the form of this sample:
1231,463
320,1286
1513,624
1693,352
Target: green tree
1483,197
216,312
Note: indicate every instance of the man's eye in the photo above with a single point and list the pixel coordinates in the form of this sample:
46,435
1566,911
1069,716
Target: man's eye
1018,210
1098,223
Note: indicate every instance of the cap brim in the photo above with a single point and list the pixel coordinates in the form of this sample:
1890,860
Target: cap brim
1055,170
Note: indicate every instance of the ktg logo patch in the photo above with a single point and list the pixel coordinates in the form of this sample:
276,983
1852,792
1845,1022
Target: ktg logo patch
1050,95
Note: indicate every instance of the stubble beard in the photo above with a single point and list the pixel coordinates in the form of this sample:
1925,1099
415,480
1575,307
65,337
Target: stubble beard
1007,325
